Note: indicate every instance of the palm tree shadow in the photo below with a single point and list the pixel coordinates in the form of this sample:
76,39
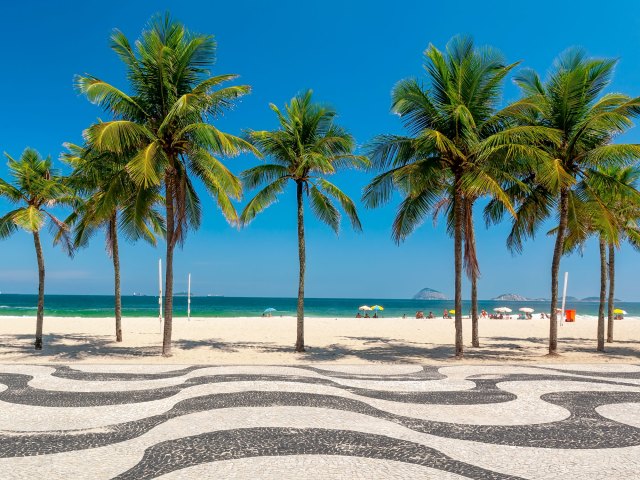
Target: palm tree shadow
618,350
365,348
82,347
374,349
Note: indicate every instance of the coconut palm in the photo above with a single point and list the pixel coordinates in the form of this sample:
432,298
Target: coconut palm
599,207
307,147
163,126
624,202
458,149
37,188
570,101
109,200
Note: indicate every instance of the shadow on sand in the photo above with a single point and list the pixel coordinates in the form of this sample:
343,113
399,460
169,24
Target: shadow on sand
358,349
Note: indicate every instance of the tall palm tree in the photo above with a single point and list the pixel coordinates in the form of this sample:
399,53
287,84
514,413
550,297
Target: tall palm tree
109,200
307,147
600,206
458,149
624,201
571,102
36,189
163,125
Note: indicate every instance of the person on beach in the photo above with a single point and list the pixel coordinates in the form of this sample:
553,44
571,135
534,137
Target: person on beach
431,315
358,315
419,314
483,314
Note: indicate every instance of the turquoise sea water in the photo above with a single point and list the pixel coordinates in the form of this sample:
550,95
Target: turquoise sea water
147,306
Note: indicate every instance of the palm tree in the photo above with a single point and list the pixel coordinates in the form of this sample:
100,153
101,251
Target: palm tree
306,148
36,189
570,102
163,127
625,203
458,150
599,207
110,200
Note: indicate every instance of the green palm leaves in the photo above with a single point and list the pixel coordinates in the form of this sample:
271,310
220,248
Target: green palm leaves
105,190
163,126
307,147
36,189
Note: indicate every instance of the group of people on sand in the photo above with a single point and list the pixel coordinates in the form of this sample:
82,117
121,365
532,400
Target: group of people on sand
483,314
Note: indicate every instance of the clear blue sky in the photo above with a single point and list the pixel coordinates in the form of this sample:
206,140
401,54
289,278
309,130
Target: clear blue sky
351,53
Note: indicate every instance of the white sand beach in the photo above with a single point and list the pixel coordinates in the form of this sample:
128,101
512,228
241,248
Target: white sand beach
247,340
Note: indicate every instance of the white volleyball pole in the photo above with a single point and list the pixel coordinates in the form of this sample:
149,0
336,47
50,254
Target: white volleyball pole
189,299
160,290
564,295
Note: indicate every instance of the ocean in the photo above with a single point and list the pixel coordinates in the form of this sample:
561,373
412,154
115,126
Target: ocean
147,306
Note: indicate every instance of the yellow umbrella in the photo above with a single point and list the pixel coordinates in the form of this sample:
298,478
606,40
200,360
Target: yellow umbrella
377,307
619,311
452,311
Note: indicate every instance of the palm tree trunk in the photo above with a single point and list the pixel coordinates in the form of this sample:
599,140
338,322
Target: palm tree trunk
555,269
115,256
472,269
603,294
40,313
302,260
612,278
475,336
168,283
457,241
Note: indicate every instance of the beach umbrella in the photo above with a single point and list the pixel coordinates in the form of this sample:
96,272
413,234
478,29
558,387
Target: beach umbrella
619,311
452,312
365,308
377,307
527,310
269,310
502,310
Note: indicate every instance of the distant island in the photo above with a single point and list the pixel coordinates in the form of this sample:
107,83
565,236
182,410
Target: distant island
514,297
429,294
511,297
596,299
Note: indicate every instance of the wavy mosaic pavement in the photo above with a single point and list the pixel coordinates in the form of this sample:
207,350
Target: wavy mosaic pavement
387,421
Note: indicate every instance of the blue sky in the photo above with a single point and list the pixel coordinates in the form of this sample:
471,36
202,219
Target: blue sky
351,54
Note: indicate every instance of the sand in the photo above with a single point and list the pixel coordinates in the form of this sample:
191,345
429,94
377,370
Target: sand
341,340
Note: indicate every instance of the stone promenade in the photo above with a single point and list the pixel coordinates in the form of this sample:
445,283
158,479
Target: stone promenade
320,422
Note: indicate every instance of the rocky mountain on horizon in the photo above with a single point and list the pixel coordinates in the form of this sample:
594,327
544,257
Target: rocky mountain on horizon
596,299
429,294
511,297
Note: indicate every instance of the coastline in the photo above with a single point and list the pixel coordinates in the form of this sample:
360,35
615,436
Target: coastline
340,340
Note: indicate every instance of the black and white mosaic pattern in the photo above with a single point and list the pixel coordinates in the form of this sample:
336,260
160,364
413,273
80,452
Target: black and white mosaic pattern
370,422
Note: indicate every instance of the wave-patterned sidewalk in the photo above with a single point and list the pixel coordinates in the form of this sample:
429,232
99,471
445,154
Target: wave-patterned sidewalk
371,422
